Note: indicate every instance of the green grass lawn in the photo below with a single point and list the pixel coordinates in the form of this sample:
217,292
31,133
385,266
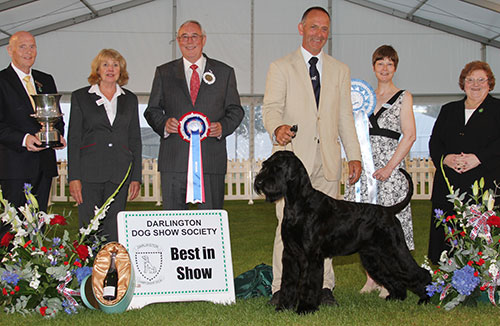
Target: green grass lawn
252,233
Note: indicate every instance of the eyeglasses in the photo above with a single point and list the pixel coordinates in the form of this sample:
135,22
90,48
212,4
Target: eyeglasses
474,81
185,38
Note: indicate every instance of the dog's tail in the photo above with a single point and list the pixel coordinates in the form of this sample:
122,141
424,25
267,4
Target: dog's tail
401,205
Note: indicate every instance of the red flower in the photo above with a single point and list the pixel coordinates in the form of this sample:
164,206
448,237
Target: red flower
58,219
480,262
27,244
462,234
42,311
6,239
482,288
81,250
17,288
77,263
4,291
494,221
61,247
65,263
33,248
44,249
469,263
480,253
451,217
476,274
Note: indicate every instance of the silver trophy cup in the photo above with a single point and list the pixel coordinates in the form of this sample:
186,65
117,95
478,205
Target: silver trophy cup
48,113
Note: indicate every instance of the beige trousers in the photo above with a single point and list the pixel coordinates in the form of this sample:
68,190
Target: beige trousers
328,187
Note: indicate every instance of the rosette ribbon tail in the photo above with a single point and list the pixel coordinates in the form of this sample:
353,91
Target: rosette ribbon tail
444,293
362,129
195,184
492,287
66,292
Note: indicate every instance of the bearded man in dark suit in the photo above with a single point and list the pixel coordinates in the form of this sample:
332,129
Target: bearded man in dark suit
170,99
21,161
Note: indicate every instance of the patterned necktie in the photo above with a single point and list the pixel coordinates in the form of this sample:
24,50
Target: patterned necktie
31,89
314,73
194,84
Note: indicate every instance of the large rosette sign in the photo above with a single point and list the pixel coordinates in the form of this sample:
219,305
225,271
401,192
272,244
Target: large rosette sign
364,99
193,128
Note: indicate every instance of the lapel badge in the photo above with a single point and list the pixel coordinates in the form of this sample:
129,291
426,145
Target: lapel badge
209,77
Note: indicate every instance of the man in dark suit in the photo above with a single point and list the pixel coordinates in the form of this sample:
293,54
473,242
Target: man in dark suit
170,99
21,161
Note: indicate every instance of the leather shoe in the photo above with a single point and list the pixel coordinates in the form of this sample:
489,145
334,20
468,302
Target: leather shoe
274,299
327,298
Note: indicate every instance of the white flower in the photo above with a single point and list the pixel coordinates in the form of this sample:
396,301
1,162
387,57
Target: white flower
491,202
493,270
34,283
444,256
21,233
209,77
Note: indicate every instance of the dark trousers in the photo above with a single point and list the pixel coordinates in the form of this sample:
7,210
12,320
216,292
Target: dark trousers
174,187
95,194
13,191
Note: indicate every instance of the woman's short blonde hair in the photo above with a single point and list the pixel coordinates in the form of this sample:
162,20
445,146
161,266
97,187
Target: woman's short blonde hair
106,54
476,65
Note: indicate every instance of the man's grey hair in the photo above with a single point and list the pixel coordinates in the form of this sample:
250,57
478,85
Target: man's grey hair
191,22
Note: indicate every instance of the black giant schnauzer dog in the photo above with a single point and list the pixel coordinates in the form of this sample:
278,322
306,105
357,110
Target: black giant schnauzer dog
316,226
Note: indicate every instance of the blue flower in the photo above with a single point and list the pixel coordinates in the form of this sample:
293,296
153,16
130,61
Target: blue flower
56,241
464,281
82,272
434,287
438,213
9,277
68,307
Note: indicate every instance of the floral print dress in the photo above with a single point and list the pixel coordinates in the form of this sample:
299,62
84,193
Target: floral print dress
394,189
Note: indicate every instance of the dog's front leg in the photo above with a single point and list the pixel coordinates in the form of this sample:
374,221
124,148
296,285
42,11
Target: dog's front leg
289,278
310,284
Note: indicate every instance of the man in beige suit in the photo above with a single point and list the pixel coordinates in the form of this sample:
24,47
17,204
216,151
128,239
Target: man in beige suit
315,95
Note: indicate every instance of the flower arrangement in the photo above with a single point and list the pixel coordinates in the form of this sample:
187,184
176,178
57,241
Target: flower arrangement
39,271
472,266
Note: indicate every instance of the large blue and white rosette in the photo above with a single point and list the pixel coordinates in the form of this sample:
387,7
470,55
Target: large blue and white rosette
364,99
193,128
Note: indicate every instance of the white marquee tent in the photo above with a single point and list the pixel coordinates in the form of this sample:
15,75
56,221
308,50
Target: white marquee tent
434,38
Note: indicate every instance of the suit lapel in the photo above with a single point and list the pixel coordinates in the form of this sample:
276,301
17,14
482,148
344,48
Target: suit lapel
17,84
99,109
180,76
303,75
121,108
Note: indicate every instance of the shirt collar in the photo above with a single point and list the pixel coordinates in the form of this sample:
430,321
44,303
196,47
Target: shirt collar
95,89
21,73
201,62
307,55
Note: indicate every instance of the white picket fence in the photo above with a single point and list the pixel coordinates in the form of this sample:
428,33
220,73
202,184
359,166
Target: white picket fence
239,180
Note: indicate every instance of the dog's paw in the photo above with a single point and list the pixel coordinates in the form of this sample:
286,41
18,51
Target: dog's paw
304,308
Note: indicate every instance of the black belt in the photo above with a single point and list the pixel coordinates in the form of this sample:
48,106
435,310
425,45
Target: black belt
385,133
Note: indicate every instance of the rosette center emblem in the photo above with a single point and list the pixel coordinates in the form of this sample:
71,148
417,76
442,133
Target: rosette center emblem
209,77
